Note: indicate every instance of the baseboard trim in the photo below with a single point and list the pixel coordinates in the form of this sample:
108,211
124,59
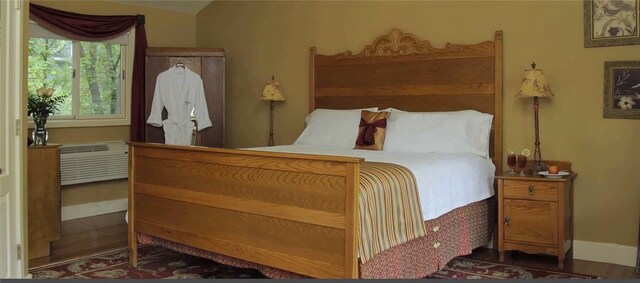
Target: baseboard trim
605,252
93,208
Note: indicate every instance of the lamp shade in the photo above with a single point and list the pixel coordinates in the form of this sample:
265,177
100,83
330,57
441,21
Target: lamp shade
272,91
534,84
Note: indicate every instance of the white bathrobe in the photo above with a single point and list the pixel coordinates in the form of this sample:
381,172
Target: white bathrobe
180,91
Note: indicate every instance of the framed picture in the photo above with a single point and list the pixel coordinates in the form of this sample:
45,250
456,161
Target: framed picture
610,23
622,89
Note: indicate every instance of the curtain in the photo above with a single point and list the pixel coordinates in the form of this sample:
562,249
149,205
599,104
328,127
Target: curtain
98,28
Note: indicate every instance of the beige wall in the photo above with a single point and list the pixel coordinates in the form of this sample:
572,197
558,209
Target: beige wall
272,38
94,192
164,29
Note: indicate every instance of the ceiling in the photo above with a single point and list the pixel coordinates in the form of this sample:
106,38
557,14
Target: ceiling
184,6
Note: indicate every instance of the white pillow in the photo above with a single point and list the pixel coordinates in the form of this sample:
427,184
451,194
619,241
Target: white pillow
465,131
331,127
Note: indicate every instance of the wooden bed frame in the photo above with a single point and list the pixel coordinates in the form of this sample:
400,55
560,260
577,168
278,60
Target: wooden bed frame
298,212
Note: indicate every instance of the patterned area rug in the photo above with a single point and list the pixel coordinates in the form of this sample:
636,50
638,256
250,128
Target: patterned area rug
464,268
158,262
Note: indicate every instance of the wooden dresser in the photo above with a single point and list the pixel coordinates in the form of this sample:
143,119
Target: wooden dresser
535,214
43,192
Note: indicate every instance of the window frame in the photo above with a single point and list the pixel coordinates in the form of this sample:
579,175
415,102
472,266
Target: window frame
127,45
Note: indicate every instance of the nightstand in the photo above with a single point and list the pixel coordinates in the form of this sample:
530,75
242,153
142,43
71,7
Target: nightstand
535,214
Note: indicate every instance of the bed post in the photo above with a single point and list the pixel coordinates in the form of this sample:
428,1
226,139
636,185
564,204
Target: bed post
352,222
497,139
133,241
312,54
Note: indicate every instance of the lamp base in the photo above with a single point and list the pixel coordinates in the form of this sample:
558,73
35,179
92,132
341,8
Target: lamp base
537,167
537,155
271,143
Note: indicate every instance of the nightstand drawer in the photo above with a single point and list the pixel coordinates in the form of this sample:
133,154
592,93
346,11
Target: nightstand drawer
547,191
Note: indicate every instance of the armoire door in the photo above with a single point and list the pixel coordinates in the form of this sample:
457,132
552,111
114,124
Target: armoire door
209,64
153,67
213,80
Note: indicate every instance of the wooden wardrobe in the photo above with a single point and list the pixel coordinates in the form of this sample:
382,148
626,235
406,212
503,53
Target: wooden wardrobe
209,64
43,198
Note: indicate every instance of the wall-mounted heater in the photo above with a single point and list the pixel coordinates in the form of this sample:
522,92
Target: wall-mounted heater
101,161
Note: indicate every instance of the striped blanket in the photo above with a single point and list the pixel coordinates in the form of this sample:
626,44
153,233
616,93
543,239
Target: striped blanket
389,208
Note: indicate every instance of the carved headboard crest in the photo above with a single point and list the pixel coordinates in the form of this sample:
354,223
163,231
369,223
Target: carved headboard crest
398,43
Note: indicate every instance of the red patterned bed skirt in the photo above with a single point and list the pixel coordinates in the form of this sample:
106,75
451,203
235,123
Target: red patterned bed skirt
453,234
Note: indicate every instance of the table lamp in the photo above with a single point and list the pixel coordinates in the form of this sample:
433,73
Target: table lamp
535,85
272,93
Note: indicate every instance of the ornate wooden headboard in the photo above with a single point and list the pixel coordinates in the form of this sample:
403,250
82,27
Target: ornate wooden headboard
399,70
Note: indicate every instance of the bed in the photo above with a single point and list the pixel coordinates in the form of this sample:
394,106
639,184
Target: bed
289,213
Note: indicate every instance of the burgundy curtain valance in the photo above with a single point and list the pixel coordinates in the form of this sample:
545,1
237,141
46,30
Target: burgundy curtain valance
81,27
97,28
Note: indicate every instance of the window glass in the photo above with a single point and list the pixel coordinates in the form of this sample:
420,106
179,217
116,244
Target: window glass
100,78
92,75
51,65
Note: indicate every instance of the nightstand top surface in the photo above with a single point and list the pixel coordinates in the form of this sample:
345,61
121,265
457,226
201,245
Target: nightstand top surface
49,145
506,176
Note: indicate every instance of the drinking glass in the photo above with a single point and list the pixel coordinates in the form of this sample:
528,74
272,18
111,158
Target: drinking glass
521,161
511,161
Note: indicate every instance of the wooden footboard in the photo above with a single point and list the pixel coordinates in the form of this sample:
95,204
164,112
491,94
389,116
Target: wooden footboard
296,212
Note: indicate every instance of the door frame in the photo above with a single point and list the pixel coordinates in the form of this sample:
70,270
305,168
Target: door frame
638,257
13,110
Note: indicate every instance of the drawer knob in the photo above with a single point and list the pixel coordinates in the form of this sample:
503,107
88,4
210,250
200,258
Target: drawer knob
507,221
531,190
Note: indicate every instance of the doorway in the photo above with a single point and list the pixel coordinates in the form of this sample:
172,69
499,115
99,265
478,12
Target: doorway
12,250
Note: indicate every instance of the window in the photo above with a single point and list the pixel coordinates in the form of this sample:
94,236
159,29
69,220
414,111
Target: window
93,75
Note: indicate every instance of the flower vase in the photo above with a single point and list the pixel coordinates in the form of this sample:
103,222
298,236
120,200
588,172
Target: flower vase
40,133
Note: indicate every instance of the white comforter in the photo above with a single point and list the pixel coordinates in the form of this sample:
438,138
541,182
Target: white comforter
446,181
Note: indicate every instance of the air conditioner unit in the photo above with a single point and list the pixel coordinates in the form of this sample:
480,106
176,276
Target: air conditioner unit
84,163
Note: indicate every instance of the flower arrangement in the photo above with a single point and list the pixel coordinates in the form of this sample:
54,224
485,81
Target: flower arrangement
43,103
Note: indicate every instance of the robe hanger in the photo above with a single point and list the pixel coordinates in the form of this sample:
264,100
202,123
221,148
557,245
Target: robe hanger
180,65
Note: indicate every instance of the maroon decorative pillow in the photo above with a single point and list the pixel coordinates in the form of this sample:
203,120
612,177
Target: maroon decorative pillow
372,130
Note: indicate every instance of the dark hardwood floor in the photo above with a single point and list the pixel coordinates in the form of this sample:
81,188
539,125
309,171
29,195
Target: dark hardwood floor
603,270
86,236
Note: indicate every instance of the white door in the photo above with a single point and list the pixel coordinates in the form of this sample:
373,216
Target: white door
12,255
